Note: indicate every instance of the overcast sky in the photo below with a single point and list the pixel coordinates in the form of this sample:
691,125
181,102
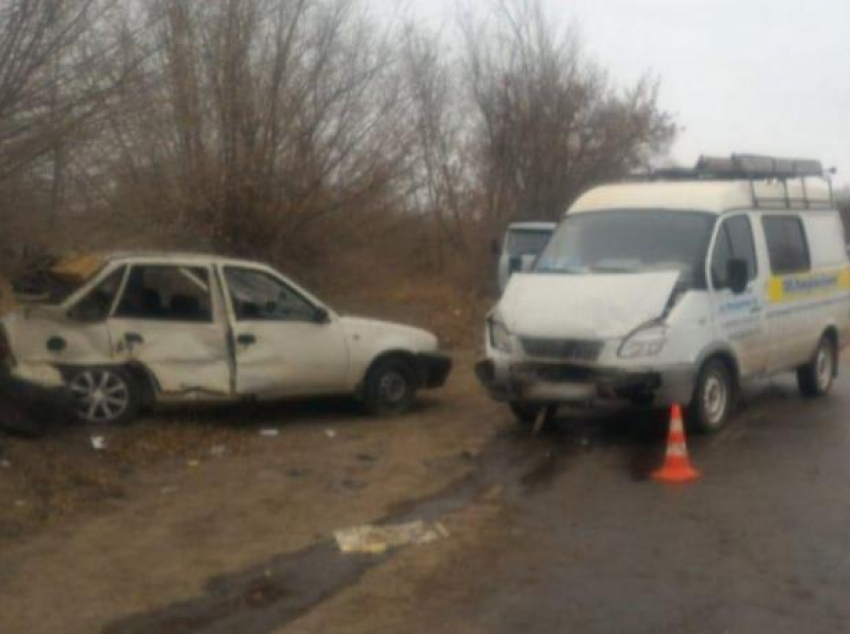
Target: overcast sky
764,76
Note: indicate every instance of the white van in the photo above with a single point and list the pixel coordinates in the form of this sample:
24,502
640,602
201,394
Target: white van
676,290
523,242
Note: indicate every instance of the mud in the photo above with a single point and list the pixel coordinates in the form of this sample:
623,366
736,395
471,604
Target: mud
271,595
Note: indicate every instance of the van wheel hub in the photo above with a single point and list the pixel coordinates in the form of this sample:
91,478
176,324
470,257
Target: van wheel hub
715,399
823,367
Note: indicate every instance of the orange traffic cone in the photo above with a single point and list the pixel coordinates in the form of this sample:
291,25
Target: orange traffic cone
677,467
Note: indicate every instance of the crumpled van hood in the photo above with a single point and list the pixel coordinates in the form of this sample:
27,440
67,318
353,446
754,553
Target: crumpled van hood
597,306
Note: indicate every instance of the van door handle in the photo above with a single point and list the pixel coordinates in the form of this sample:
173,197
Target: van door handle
246,339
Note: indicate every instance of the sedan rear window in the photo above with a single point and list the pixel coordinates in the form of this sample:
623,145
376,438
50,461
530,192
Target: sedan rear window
97,304
167,293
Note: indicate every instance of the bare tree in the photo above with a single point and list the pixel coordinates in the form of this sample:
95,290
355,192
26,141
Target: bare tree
550,124
290,130
46,89
439,118
260,119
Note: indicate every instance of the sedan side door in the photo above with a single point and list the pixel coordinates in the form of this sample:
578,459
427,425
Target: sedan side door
285,343
170,320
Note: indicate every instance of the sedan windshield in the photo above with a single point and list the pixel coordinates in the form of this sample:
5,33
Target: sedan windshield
629,241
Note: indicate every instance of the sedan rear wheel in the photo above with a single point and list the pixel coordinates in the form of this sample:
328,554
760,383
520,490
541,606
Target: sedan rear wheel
104,395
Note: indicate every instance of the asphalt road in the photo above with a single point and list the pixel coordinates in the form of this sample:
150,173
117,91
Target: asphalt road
760,544
586,543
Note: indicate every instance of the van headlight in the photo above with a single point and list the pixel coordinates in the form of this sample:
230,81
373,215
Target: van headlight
500,337
647,342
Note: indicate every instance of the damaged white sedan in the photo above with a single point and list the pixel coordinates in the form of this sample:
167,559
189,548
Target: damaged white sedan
131,330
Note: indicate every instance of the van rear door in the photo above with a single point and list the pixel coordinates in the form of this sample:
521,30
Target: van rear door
809,281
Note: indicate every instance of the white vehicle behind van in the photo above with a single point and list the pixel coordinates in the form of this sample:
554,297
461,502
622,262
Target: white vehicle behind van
676,290
523,242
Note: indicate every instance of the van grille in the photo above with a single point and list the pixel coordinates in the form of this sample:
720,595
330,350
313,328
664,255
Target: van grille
577,349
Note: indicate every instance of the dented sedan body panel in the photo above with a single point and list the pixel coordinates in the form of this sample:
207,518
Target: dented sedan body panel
191,327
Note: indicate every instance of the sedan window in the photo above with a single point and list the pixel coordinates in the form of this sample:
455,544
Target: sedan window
167,293
95,306
258,296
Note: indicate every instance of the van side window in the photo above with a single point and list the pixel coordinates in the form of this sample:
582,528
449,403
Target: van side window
734,240
786,244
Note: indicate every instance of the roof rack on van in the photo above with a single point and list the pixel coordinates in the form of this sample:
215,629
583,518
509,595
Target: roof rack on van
753,168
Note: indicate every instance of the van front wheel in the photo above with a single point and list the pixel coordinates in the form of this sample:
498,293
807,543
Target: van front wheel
713,399
815,378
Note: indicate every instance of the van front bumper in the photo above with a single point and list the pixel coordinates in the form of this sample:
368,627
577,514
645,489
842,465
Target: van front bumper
552,384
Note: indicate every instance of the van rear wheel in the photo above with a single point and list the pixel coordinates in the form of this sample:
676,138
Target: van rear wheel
816,377
713,399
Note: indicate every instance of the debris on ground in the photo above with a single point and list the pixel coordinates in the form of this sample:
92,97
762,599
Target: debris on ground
217,451
98,443
193,463
270,433
330,433
376,540
366,457
354,485
470,454
5,464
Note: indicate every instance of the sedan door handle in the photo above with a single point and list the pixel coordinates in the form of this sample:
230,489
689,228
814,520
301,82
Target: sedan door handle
246,339
56,344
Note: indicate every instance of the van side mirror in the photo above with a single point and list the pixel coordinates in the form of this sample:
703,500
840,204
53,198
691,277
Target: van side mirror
515,264
737,274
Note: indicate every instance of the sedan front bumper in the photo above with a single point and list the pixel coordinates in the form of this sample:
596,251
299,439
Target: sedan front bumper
433,369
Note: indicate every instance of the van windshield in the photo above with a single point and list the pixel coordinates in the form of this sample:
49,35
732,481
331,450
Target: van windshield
630,241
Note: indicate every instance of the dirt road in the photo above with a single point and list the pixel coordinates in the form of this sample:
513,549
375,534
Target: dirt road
557,533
